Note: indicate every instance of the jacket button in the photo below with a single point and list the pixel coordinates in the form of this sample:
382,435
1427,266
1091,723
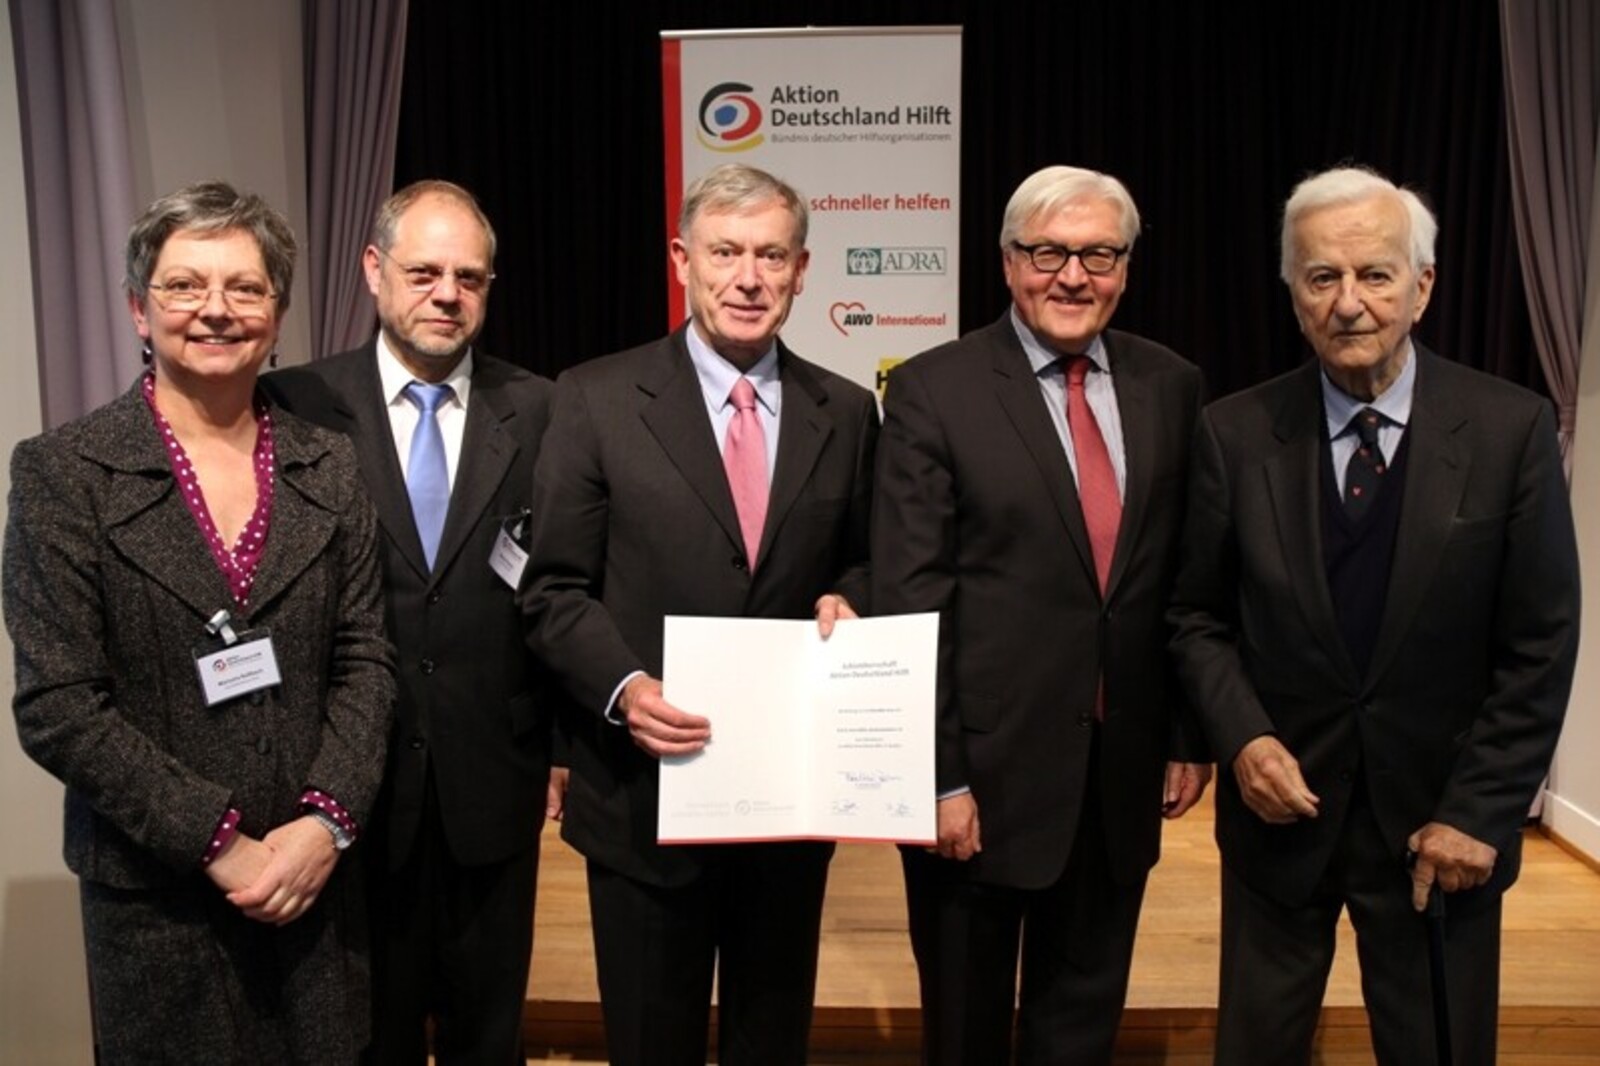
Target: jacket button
264,746
416,743
1084,719
257,698
1346,776
434,597
739,563
426,666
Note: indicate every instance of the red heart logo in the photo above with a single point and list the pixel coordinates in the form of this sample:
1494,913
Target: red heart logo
841,308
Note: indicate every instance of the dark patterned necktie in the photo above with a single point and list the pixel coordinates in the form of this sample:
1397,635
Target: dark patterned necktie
1363,475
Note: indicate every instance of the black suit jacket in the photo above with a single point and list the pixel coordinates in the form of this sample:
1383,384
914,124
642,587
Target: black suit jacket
633,521
1456,718
470,706
977,517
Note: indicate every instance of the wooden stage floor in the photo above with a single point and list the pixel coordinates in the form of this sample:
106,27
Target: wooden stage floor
867,999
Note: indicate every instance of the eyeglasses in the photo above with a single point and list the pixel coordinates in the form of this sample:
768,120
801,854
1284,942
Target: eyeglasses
248,299
424,277
1096,259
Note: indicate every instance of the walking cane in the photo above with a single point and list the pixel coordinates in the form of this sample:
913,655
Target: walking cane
1434,916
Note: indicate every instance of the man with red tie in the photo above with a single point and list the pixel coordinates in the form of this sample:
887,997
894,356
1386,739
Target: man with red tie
1030,488
713,472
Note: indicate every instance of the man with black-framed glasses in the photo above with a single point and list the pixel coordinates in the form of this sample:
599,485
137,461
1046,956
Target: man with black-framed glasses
446,437
1030,488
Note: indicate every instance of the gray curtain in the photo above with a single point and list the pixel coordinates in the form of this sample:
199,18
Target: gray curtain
355,55
79,171
1551,51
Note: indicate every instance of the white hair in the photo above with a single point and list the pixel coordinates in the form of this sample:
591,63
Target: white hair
1349,185
1047,191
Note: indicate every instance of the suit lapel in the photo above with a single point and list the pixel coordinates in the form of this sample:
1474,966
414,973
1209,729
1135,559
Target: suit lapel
361,406
1139,406
1017,389
487,451
1294,479
803,430
675,414
149,525
147,522
1436,476
304,514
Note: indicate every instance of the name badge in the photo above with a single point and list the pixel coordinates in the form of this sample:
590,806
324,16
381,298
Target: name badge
508,557
246,665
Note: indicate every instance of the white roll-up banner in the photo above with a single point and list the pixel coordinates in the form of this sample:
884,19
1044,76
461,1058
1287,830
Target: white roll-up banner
866,125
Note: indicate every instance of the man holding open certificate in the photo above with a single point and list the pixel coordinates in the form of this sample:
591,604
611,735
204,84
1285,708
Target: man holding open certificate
712,473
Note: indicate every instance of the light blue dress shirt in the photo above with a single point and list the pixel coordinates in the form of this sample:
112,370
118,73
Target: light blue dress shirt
1394,405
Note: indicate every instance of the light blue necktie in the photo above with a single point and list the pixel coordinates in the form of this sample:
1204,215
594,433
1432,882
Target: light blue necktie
427,475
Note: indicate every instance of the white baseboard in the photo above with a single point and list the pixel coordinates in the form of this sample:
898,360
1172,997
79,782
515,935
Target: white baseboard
1578,827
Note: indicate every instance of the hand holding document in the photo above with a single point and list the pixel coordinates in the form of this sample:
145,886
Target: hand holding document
812,739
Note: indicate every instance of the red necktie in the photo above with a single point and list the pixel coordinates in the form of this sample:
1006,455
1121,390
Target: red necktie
744,457
1097,479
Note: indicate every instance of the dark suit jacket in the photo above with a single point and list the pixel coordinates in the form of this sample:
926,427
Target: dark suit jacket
470,706
108,586
633,521
977,517
1457,716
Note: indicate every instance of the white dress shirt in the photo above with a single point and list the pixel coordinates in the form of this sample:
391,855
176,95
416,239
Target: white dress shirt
1050,368
452,414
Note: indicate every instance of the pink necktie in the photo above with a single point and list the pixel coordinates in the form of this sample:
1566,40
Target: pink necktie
1097,480
744,457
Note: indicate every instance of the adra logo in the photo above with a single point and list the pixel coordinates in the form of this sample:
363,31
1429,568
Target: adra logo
896,261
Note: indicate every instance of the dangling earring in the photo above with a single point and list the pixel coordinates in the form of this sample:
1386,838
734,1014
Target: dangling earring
146,354
272,360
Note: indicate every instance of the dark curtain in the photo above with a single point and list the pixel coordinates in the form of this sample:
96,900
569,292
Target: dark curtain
1209,112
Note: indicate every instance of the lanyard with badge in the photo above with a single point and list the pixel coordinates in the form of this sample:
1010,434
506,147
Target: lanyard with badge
509,556
234,663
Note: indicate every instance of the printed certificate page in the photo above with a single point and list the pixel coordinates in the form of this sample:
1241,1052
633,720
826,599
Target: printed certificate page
811,739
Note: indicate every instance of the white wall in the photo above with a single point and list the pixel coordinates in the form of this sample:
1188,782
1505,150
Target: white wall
214,88
1572,807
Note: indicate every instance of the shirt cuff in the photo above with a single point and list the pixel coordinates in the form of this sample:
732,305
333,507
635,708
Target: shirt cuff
316,800
611,714
227,829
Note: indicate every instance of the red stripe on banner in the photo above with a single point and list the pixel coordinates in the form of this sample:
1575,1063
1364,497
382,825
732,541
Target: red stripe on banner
672,126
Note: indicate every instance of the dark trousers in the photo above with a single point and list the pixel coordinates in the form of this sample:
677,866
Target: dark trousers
1075,939
450,942
753,915
1275,962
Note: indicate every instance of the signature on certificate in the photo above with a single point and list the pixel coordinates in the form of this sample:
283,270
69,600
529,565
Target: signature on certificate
844,806
868,779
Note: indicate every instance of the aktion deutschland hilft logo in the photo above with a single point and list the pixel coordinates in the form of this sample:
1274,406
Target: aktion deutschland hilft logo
729,118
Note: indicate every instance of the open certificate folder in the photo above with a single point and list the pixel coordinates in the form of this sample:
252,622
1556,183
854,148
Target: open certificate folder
810,739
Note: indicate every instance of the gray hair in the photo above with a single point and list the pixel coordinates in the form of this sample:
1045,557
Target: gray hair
1351,185
1044,192
387,219
734,187
210,207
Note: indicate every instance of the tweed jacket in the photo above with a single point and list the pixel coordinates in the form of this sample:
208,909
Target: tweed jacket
107,588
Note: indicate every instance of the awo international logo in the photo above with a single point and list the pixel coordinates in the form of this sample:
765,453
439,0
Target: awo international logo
849,315
888,262
730,118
